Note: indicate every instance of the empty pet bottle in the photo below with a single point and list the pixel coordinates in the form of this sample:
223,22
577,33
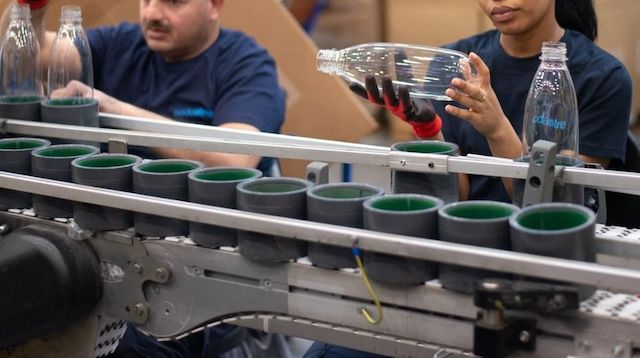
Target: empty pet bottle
426,71
70,59
21,83
551,114
551,109
70,77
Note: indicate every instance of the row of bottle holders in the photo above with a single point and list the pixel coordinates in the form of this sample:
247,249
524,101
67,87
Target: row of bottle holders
568,229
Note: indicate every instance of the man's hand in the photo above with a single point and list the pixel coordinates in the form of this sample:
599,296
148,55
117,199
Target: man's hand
418,113
34,4
78,89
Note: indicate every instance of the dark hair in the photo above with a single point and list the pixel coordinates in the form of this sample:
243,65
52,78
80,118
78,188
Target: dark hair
578,15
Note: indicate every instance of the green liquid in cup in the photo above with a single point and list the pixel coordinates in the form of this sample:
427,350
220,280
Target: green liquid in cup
345,193
226,175
432,147
275,187
65,152
552,220
479,212
20,99
106,162
20,144
403,204
69,101
167,167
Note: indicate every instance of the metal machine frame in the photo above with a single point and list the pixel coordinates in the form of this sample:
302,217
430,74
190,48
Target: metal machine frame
171,287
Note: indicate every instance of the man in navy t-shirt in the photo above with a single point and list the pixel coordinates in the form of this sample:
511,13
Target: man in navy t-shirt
231,83
179,64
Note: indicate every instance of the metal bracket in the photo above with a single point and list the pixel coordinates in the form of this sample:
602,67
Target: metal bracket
596,198
317,173
127,271
538,187
118,146
499,338
77,233
598,345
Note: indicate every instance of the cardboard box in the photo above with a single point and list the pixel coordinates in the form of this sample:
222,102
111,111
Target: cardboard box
318,105
618,34
347,23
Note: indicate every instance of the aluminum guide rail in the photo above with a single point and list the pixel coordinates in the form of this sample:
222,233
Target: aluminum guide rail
567,270
265,144
174,127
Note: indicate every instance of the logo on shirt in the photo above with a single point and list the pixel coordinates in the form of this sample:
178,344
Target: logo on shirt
550,122
197,112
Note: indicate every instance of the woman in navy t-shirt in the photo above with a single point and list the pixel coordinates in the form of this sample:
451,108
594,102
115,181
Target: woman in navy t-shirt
507,59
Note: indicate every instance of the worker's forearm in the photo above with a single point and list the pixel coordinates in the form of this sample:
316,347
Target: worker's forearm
109,104
210,159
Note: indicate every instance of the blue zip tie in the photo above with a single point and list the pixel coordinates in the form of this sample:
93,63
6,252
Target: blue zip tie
356,251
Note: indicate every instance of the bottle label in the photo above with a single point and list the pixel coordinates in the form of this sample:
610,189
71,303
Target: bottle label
550,122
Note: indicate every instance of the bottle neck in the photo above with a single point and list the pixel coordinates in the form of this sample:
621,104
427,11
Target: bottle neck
554,52
71,15
328,61
20,12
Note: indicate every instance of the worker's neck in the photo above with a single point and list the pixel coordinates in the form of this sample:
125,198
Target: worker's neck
529,44
205,42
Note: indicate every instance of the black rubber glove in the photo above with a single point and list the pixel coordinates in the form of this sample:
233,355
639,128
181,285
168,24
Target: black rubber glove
419,113
34,4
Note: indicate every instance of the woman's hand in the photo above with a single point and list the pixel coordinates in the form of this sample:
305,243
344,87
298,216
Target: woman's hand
483,109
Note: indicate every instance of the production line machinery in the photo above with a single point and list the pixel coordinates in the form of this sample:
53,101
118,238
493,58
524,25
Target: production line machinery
170,287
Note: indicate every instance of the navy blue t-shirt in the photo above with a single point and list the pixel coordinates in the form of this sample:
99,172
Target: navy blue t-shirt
234,80
603,89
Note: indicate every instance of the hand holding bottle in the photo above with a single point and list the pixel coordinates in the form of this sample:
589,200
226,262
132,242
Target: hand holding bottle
419,113
34,4
483,109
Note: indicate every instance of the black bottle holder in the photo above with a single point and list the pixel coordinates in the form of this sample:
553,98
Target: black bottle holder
444,186
479,223
109,171
26,108
402,214
274,196
15,157
165,178
562,230
54,162
217,187
71,111
337,204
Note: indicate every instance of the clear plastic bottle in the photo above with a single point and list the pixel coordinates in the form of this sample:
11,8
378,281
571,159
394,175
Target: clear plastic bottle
551,109
426,71
20,70
70,58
